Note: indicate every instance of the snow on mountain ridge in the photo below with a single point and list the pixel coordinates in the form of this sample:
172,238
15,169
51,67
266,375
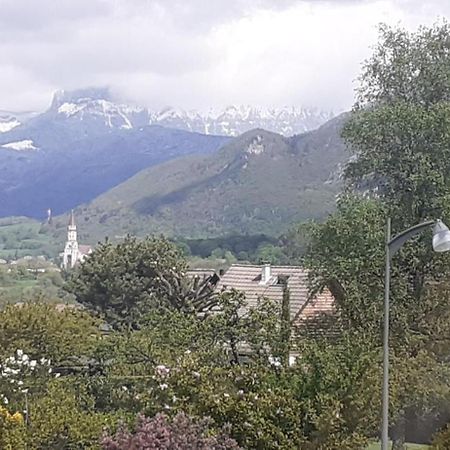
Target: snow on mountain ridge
25,145
7,123
235,120
97,109
69,109
112,115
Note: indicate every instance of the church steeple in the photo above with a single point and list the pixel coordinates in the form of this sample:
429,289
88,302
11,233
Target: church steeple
72,228
73,253
72,219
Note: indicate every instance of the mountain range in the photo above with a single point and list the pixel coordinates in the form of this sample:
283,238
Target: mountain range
260,182
63,157
125,172
96,105
235,120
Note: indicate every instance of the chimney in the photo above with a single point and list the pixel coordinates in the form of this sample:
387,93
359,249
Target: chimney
266,273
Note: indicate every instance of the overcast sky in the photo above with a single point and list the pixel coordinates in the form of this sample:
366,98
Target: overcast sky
195,53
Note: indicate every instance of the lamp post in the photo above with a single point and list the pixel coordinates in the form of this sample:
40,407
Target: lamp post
441,243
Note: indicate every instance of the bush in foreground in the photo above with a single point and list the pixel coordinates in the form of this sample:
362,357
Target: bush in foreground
162,433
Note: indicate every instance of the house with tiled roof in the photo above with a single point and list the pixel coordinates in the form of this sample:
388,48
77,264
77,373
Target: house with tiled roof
272,282
258,281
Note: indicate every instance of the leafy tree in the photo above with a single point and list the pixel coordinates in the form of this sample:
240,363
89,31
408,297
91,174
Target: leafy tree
46,331
399,131
409,67
399,134
403,156
339,383
271,254
346,254
65,418
123,281
241,329
294,243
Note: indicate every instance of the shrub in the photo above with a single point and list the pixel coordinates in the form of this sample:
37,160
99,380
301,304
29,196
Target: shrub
12,430
162,433
442,439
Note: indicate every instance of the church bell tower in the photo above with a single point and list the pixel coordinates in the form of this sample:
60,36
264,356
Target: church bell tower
70,256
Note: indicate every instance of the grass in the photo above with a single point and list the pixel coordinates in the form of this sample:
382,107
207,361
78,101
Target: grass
376,446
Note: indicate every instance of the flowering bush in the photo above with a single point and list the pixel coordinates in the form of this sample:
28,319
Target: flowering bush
162,433
18,374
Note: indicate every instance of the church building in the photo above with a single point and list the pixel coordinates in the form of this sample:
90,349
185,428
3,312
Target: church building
73,252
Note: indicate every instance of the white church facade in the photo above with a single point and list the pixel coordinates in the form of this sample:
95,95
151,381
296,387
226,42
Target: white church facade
73,252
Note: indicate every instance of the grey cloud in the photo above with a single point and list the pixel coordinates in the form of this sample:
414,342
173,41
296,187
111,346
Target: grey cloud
202,15
30,15
184,52
107,48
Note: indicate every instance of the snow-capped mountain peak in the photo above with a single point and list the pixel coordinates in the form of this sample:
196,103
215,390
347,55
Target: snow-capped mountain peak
95,110
237,119
96,105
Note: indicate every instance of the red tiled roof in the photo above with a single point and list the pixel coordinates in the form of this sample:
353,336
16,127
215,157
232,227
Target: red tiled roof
247,278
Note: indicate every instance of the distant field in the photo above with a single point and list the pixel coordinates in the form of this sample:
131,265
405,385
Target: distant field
20,236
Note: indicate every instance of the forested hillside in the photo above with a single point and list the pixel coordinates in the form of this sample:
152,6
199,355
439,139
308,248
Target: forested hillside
260,182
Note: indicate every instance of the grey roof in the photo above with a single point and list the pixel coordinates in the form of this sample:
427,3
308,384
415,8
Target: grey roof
247,278
201,273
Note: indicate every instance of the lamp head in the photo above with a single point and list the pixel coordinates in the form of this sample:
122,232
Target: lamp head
441,237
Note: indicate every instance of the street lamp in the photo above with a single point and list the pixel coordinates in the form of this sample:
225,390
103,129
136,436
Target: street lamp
441,243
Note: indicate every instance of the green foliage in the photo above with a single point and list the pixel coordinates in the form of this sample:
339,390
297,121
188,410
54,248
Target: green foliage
234,243
25,281
20,236
183,362
36,339
346,254
410,67
64,418
401,140
123,281
403,152
294,243
44,331
237,326
399,133
441,440
12,430
341,384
